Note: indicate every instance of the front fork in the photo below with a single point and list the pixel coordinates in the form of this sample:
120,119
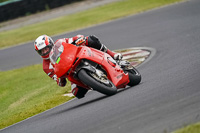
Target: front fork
125,65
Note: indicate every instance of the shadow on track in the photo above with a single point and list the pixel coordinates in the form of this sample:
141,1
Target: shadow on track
64,110
83,102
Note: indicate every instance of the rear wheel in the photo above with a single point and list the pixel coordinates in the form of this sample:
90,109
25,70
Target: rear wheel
98,83
134,77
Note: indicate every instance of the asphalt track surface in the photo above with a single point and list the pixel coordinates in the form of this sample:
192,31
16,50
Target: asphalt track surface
169,95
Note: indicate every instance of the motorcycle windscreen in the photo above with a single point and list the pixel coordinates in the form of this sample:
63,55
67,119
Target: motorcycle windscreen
66,59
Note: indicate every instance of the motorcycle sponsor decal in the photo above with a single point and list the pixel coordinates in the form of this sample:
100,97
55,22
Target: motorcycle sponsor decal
119,76
58,60
90,53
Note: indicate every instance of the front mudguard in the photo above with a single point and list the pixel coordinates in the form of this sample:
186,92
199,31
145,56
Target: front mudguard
125,65
134,75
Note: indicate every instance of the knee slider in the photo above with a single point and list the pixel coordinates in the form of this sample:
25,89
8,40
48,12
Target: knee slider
79,92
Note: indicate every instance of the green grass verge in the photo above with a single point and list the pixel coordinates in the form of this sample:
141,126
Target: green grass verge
27,91
194,128
3,1
79,20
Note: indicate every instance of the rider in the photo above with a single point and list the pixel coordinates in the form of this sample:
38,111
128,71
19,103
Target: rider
43,45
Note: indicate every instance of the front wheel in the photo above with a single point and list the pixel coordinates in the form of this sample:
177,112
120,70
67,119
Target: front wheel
104,86
134,77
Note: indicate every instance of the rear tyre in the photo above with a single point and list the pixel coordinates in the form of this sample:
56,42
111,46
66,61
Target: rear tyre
134,77
108,89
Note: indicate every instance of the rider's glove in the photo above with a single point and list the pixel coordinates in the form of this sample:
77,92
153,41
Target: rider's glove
62,82
80,40
118,56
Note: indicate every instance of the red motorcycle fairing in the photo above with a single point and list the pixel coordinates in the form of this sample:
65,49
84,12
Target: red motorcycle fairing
71,56
65,61
114,72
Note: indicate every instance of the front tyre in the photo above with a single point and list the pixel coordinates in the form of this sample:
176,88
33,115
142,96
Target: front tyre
134,77
106,87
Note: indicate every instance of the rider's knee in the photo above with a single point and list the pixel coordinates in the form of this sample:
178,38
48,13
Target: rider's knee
94,42
79,92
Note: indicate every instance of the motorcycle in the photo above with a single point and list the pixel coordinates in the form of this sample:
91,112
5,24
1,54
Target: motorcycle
92,69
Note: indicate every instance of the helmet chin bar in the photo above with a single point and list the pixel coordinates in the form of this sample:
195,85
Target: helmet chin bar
47,48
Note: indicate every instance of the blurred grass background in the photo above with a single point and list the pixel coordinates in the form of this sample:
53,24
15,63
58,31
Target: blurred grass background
79,20
3,0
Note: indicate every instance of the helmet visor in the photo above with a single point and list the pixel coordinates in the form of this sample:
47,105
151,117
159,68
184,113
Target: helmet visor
45,51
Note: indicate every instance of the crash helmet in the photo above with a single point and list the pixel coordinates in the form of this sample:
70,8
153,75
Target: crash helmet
43,45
